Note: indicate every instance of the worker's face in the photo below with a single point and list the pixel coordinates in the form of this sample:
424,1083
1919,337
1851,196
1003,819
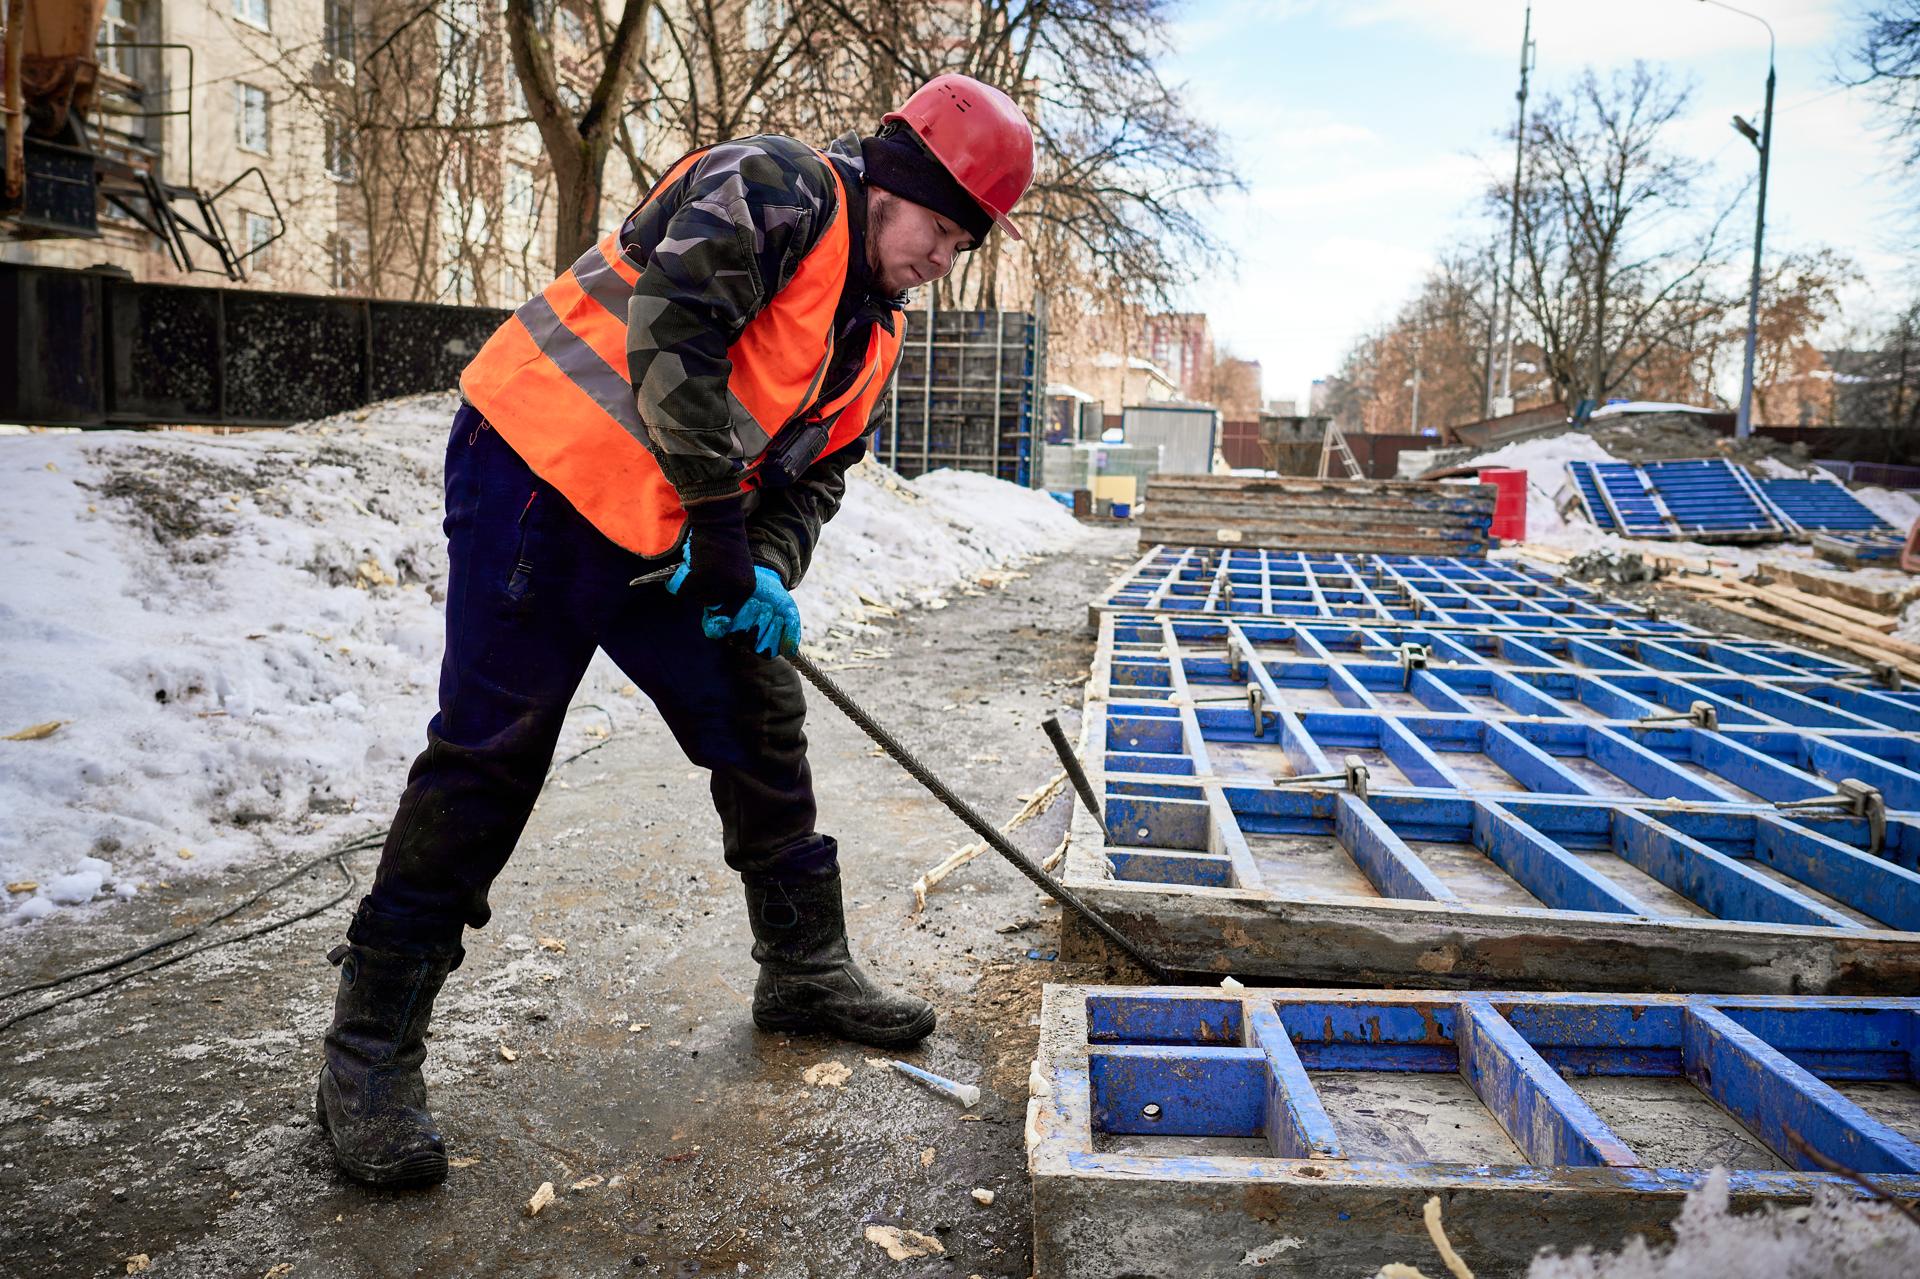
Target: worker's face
909,244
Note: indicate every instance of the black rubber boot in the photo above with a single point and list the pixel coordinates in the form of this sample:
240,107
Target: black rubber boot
808,980
372,1100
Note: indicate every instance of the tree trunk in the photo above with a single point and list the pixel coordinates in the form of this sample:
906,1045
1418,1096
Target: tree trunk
577,148
579,185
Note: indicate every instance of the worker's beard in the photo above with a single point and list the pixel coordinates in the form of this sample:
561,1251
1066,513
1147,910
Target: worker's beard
881,211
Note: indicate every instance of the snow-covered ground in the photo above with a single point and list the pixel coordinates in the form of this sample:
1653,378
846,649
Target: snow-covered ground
238,636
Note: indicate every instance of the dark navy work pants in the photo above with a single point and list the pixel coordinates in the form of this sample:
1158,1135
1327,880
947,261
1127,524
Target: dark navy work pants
533,589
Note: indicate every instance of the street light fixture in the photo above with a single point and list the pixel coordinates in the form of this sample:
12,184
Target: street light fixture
1763,143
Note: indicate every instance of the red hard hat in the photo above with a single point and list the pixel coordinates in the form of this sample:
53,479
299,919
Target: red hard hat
979,135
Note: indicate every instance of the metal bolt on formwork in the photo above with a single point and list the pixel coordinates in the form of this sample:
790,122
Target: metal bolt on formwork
1256,706
1353,774
1700,715
1858,800
1236,664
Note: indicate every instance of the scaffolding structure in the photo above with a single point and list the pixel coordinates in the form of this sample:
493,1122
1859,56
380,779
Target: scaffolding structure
967,395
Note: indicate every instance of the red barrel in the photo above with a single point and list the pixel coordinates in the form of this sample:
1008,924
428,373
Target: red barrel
1510,502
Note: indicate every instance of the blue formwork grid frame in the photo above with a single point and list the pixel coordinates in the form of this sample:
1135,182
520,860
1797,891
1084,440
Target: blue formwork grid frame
1194,1132
1560,788
1559,793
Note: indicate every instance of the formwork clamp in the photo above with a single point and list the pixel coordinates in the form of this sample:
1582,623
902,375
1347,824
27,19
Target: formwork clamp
1353,774
1700,715
1257,707
1411,657
1859,800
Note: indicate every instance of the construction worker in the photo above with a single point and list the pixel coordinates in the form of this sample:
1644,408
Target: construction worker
689,395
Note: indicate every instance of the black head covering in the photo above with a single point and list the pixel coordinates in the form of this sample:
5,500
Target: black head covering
898,162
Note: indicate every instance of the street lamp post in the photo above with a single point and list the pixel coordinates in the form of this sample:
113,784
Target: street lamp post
1763,142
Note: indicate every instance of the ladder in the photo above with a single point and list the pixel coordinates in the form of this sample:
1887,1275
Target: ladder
1334,442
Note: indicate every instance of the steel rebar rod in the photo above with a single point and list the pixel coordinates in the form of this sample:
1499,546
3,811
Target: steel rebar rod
980,826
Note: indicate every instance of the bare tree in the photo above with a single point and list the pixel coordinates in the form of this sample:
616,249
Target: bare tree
1615,259
1125,172
579,130
1887,58
407,106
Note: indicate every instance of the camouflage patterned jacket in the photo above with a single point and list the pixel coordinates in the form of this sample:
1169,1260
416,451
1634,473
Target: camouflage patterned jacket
717,245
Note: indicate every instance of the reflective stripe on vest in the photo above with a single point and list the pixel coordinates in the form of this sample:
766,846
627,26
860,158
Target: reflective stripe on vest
553,380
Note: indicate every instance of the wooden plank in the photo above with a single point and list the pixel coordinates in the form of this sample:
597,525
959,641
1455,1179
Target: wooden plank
1785,1105
1816,613
1869,618
1872,599
1547,1119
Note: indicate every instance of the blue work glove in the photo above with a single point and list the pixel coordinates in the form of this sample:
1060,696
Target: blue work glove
769,620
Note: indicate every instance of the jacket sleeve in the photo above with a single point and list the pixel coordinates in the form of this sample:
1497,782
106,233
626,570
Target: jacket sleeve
785,528
712,254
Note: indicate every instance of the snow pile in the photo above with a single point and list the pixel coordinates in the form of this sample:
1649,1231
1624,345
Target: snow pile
1838,1236
238,636
901,543
1544,459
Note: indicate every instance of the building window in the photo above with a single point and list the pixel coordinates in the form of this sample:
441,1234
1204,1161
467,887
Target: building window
337,29
341,274
120,25
255,13
339,144
258,230
250,102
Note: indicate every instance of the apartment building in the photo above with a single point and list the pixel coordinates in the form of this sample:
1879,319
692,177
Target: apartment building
342,146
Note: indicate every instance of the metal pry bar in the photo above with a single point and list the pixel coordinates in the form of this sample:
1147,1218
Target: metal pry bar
1859,800
1700,715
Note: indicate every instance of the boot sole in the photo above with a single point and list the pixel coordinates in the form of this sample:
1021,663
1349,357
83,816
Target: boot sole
807,1023
419,1169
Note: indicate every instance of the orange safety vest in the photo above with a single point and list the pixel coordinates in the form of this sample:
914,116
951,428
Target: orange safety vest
553,380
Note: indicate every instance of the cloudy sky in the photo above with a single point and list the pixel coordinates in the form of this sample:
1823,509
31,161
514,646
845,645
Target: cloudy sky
1366,130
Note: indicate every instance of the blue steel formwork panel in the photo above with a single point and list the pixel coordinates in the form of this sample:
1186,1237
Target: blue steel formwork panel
1636,508
1819,506
1436,591
1711,498
1309,1127
1539,811
1586,487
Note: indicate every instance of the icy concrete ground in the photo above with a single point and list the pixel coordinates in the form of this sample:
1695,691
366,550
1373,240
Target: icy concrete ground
235,638
171,1116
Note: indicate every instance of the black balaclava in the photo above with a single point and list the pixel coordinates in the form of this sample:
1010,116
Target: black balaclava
898,162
